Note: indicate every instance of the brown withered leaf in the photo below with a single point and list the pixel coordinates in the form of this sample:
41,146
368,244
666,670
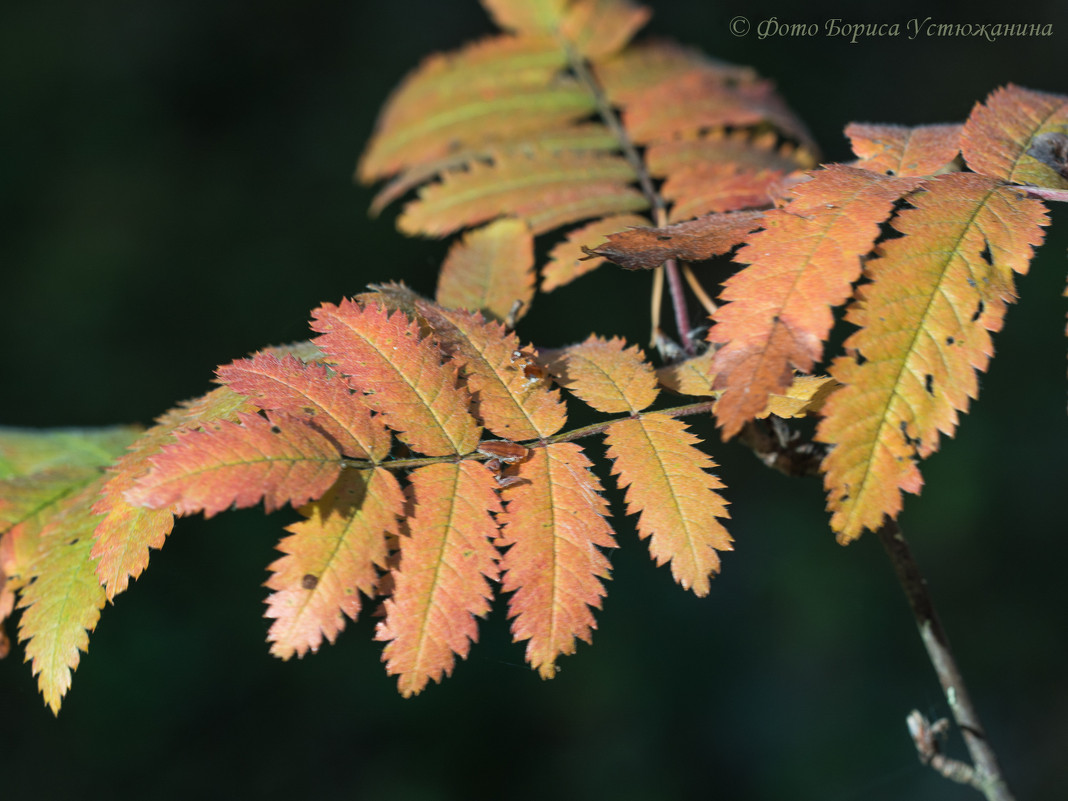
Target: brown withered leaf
696,240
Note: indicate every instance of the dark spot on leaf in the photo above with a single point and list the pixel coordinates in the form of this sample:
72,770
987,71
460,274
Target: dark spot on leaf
276,430
928,383
950,340
889,172
978,311
985,253
309,582
350,591
663,238
74,541
971,282
308,410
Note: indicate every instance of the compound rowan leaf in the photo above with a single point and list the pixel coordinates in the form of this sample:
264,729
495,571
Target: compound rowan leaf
442,584
279,459
330,558
936,294
126,532
63,598
696,240
401,375
567,261
489,270
693,376
801,265
606,374
509,393
310,392
554,523
900,150
1007,136
547,189
656,458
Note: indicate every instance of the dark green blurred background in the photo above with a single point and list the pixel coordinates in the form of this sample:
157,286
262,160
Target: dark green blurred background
175,181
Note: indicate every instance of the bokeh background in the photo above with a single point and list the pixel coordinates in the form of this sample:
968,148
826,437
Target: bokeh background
176,192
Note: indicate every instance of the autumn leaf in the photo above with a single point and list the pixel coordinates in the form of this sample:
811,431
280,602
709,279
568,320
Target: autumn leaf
510,402
1002,136
935,294
62,599
568,260
664,472
716,187
442,584
278,459
554,524
900,150
546,189
126,532
697,240
606,374
330,558
308,391
489,270
400,374
801,265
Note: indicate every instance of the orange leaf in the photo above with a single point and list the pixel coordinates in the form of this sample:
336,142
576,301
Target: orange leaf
690,377
489,270
329,559
711,187
606,374
629,74
500,88
567,260
697,240
739,149
802,264
401,376
582,136
279,459
125,534
307,390
599,28
441,584
925,319
1002,138
554,523
700,99
657,459
900,150
510,403
547,189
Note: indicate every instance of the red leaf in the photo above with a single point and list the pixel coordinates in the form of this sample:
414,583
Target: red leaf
310,392
279,459
400,374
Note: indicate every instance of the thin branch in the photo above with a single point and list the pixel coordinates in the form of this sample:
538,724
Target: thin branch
987,775
1056,195
566,436
645,183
